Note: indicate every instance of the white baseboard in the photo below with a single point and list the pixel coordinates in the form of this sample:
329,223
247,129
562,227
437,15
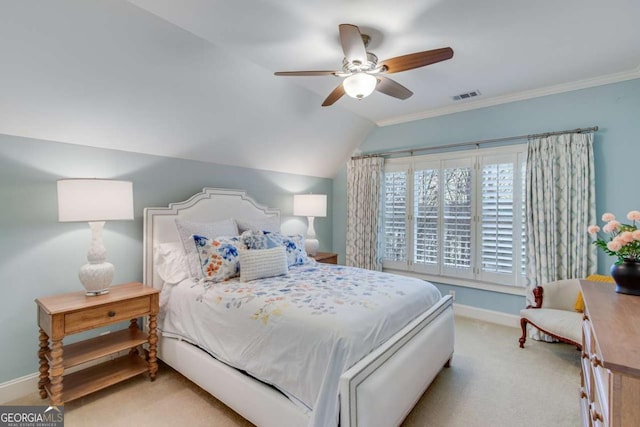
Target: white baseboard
18,387
23,386
497,317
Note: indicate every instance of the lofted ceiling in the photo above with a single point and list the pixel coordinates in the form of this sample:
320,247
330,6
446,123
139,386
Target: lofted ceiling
194,78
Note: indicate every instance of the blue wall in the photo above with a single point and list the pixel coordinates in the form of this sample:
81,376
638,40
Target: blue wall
40,256
615,108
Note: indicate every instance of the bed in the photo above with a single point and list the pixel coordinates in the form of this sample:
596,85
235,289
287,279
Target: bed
378,388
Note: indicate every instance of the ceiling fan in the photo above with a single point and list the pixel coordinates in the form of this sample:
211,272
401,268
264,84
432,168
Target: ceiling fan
363,73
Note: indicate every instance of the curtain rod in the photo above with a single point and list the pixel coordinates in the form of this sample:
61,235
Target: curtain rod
477,143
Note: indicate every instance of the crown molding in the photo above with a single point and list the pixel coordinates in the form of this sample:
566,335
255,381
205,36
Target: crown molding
518,96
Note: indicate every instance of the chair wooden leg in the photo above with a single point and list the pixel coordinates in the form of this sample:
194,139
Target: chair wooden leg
523,338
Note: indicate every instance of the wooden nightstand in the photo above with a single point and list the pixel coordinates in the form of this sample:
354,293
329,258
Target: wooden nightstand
62,315
325,257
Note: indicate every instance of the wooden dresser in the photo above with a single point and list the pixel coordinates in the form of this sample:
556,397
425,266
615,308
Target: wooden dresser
610,378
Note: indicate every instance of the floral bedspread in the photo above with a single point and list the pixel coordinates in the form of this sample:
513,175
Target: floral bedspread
298,332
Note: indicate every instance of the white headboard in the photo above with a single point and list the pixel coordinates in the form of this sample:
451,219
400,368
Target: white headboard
212,204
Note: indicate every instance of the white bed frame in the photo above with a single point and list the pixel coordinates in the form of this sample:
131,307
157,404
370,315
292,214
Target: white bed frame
379,390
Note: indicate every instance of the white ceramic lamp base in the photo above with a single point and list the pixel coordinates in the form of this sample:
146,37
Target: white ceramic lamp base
96,278
97,274
311,246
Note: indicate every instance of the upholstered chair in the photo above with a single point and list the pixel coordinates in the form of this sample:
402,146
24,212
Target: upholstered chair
554,313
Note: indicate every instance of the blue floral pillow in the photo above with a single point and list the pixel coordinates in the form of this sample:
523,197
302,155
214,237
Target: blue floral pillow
294,245
219,257
258,240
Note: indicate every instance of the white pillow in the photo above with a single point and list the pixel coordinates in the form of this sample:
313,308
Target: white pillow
271,223
186,229
169,262
262,263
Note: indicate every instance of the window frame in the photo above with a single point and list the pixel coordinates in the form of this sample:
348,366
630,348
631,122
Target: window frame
475,277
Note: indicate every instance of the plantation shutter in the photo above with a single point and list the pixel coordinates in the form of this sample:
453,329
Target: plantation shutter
497,217
501,218
426,206
395,218
457,212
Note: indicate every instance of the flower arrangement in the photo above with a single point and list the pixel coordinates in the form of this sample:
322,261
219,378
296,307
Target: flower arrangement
623,239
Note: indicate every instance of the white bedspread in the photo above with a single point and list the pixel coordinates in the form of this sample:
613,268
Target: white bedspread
298,332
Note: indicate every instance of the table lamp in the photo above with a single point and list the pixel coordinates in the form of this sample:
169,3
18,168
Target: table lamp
311,206
95,201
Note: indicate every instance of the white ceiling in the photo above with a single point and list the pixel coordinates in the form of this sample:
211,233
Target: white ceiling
194,78
501,46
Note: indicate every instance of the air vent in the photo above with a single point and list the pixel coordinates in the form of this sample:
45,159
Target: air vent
466,95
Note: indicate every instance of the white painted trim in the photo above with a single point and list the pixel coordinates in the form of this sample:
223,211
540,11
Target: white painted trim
18,387
518,96
491,316
466,283
23,386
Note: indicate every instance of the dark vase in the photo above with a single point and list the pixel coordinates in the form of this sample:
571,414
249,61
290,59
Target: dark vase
627,277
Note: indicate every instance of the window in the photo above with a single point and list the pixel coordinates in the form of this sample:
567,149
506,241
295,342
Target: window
395,208
457,215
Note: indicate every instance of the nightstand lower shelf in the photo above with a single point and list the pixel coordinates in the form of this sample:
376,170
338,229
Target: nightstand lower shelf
95,348
100,376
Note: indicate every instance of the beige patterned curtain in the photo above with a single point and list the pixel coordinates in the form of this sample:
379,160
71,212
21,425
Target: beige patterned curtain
560,206
364,197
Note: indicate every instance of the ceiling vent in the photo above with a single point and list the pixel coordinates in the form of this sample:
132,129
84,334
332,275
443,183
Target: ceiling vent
466,95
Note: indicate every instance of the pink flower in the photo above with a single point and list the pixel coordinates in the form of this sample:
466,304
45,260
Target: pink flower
593,229
608,217
611,226
626,237
614,245
633,216
636,234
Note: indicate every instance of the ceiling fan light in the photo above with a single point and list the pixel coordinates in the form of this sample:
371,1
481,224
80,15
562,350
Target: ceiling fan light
359,85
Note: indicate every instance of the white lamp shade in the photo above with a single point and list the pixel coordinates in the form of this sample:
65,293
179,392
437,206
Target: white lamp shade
310,205
94,200
359,85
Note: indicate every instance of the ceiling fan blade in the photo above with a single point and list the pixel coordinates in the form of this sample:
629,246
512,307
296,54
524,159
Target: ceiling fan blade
305,73
392,88
352,44
416,60
336,94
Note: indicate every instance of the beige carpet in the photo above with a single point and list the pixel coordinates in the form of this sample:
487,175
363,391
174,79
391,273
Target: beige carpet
491,382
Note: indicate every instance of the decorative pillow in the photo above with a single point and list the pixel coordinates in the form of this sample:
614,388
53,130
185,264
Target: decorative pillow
294,245
259,240
218,258
271,224
261,263
170,263
186,229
